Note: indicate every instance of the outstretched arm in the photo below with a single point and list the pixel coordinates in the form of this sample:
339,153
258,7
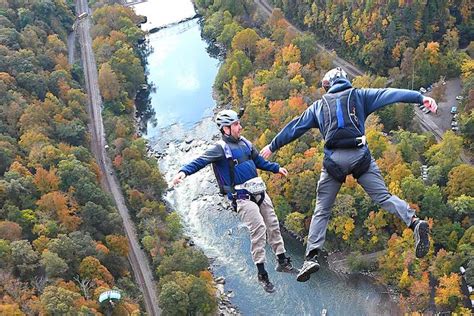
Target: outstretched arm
374,99
211,155
292,131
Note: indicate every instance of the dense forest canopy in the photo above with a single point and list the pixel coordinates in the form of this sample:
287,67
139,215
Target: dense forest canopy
274,72
61,238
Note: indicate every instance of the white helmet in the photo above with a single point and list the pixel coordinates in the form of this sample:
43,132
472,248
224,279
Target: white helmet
331,76
226,118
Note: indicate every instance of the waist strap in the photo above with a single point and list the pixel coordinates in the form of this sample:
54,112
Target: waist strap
251,197
347,143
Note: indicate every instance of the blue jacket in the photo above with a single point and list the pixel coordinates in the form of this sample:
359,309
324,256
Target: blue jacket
366,102
243,171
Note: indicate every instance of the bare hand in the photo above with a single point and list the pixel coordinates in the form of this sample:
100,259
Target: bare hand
283,171
178,178
266,152
430,104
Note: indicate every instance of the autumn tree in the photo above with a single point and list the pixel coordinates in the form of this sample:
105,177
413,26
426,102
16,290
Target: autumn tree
448,292
10,230
46,181
56,204
460,181
91,268
246,41
58,300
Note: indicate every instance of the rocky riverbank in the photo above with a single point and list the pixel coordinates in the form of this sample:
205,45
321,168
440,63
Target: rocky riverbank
172,148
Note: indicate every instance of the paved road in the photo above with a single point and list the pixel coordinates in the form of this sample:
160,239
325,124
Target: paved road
136,257
439,123
71,42
443,118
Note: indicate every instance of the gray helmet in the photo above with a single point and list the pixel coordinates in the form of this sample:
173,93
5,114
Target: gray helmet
226,118
331,76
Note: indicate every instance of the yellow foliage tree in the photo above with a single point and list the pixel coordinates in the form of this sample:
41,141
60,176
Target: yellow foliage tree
46,181
109,83
405,280
291,54
448,292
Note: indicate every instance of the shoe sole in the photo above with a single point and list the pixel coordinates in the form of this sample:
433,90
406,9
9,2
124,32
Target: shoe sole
423,245
270,291
304,276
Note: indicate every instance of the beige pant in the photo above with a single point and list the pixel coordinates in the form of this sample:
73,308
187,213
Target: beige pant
262,223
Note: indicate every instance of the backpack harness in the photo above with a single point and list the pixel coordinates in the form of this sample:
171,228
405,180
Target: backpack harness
232,162
340,128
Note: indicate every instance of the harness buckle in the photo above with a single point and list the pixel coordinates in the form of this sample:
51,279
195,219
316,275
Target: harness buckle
361,141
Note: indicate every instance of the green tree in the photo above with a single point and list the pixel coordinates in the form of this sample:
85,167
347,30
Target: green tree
460,181
25,260
98,221
59,301
278,89
413,189
295,222
173,300
411,145
125,64
53,264
444,263
228,33
173,223
71,172
307,45
446,234
201,300
432,202
73,132
463,205
445,155
184,259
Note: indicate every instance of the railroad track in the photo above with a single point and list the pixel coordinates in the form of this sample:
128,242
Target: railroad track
136,257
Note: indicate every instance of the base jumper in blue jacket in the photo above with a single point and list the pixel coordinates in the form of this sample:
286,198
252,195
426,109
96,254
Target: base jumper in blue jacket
340,116
235,161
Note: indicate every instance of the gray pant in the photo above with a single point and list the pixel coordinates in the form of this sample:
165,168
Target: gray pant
372,182
263,225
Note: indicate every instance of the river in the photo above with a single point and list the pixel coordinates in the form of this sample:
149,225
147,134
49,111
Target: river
183,73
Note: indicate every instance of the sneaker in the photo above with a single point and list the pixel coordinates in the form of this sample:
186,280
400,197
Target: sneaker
285,266
309,266
265,283
422,240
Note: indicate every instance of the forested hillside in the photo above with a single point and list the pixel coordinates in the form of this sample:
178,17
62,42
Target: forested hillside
387,36
61,237
274,73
